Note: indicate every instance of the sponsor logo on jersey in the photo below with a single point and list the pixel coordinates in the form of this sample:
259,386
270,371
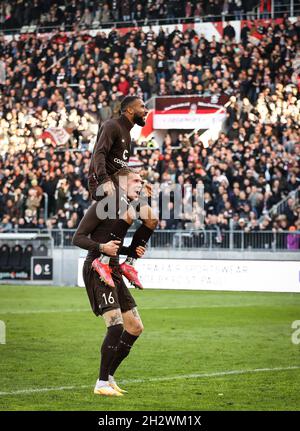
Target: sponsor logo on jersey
120,162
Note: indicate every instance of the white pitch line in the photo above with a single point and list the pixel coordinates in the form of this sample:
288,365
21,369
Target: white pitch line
155,379
64,310
81,310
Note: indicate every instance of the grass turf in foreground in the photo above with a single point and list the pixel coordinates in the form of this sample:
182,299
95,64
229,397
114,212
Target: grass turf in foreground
53,341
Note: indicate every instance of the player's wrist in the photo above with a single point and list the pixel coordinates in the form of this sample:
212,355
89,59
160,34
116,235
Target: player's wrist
101,248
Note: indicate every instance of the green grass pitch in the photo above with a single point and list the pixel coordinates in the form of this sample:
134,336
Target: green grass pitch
199,351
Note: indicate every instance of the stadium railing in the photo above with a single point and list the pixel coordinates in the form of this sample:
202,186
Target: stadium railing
282,205
200,239
228,240
279,8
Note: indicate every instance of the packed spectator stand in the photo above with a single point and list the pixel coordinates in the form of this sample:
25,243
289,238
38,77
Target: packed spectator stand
76,80
46,14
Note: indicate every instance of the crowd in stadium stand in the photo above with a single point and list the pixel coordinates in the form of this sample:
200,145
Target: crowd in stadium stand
75,82
86,13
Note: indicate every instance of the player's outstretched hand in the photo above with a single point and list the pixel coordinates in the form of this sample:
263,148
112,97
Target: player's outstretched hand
111,248
140,251
109,188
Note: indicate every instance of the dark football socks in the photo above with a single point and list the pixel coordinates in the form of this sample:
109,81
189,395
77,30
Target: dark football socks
122,351
140,238
108,349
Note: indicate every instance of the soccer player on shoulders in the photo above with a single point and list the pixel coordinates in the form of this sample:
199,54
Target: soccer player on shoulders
110,154
115,304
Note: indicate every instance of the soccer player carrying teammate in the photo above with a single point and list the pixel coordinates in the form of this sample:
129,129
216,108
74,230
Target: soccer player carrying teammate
110,154
115,304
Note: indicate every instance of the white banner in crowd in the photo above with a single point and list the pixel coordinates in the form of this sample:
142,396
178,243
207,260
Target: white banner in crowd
181,121
234,275
190,112
209,30
58,135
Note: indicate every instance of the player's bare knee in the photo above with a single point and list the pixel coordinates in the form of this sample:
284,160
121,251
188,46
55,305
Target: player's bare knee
151,223
140,328
129,216
148,217
135,328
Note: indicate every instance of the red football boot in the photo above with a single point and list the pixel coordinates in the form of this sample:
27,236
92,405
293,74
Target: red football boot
104,272
131,274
